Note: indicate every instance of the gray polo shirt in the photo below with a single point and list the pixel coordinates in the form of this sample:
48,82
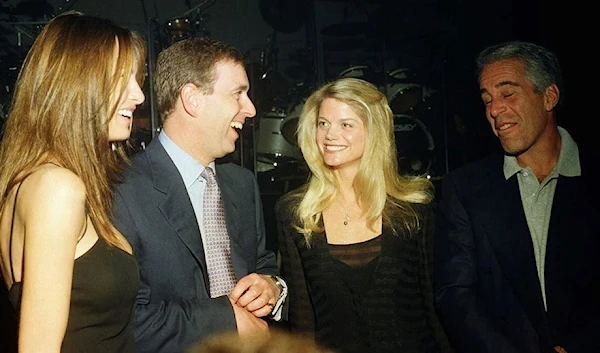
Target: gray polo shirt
537,197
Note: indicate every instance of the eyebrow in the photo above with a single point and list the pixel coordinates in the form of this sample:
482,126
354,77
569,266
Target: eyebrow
501,84
241,87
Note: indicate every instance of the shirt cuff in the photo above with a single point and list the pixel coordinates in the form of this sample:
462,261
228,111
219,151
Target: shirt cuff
277,312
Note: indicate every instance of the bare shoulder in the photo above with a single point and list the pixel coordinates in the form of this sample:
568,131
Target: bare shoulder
51,184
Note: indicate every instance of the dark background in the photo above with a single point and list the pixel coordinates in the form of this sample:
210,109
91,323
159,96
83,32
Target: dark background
420,53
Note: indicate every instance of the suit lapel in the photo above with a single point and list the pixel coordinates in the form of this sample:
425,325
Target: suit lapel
176,205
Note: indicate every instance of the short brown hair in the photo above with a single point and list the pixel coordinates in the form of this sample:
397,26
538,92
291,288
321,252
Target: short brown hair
191,60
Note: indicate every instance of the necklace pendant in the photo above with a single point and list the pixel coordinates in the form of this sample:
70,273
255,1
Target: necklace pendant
345,223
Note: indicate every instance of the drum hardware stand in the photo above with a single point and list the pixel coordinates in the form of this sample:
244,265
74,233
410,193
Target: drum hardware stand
154,121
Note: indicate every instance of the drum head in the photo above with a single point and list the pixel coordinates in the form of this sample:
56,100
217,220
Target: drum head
403,97
272,146
414,145
364,72
289,125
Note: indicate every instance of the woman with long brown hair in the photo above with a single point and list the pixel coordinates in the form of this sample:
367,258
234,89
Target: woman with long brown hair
71,275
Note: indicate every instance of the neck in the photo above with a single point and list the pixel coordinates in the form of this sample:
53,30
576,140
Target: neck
543,156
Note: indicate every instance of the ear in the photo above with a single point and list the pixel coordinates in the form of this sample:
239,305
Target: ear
551,96
190,99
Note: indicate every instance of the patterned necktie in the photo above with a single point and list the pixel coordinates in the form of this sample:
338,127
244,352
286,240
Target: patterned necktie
217,251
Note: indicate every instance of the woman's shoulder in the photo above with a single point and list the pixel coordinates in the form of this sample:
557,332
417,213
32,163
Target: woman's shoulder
52,184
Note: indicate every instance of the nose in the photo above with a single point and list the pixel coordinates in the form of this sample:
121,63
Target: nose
496,108
331,133
135,91
248,108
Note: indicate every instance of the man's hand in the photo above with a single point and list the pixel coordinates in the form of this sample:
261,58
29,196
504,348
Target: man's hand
560,349
247,323
256,293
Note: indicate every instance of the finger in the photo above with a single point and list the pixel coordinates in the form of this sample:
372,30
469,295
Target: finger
252,294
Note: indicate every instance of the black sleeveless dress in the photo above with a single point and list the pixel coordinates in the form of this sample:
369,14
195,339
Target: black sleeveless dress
101,314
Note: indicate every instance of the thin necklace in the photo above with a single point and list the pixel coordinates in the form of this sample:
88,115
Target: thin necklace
347,219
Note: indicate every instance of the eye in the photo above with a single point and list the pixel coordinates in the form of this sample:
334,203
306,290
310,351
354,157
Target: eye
347,125
321,123
486,98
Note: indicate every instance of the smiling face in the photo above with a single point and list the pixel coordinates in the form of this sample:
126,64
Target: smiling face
519,117
225,110
341,135
119,126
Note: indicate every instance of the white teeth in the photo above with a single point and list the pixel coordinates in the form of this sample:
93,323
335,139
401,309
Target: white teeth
335,148
237,125
504,127
125,112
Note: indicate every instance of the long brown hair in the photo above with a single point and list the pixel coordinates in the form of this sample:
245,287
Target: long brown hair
65,95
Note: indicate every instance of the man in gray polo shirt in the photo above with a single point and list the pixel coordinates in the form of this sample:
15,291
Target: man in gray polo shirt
517,255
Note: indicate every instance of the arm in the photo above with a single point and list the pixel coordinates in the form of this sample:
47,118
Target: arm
256,290
300,316
426,281
51,207
455,280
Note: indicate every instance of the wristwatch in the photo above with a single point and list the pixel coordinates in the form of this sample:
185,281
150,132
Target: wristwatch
277,282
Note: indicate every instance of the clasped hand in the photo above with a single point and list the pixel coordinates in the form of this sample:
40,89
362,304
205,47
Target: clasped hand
256,293
252,298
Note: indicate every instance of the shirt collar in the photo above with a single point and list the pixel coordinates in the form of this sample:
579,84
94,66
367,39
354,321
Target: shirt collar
568,160
189,168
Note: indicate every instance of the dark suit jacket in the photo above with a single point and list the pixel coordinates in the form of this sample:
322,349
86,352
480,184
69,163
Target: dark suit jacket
153,211
485,277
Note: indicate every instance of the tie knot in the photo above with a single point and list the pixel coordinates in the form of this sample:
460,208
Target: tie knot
209,175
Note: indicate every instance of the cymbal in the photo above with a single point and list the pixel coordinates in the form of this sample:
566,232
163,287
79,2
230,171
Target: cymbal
344,29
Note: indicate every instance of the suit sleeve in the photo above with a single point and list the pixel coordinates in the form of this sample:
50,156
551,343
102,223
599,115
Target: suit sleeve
175,325
426,282
467,324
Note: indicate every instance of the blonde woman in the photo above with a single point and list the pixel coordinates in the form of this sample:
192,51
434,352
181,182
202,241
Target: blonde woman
355,241
71,276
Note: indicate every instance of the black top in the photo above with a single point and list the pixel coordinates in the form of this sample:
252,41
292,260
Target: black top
105,284
374,296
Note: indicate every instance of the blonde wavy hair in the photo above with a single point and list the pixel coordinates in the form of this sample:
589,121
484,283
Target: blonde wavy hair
380,189
66,92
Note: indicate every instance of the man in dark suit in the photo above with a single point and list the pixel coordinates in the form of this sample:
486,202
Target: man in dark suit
517,254
202,93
